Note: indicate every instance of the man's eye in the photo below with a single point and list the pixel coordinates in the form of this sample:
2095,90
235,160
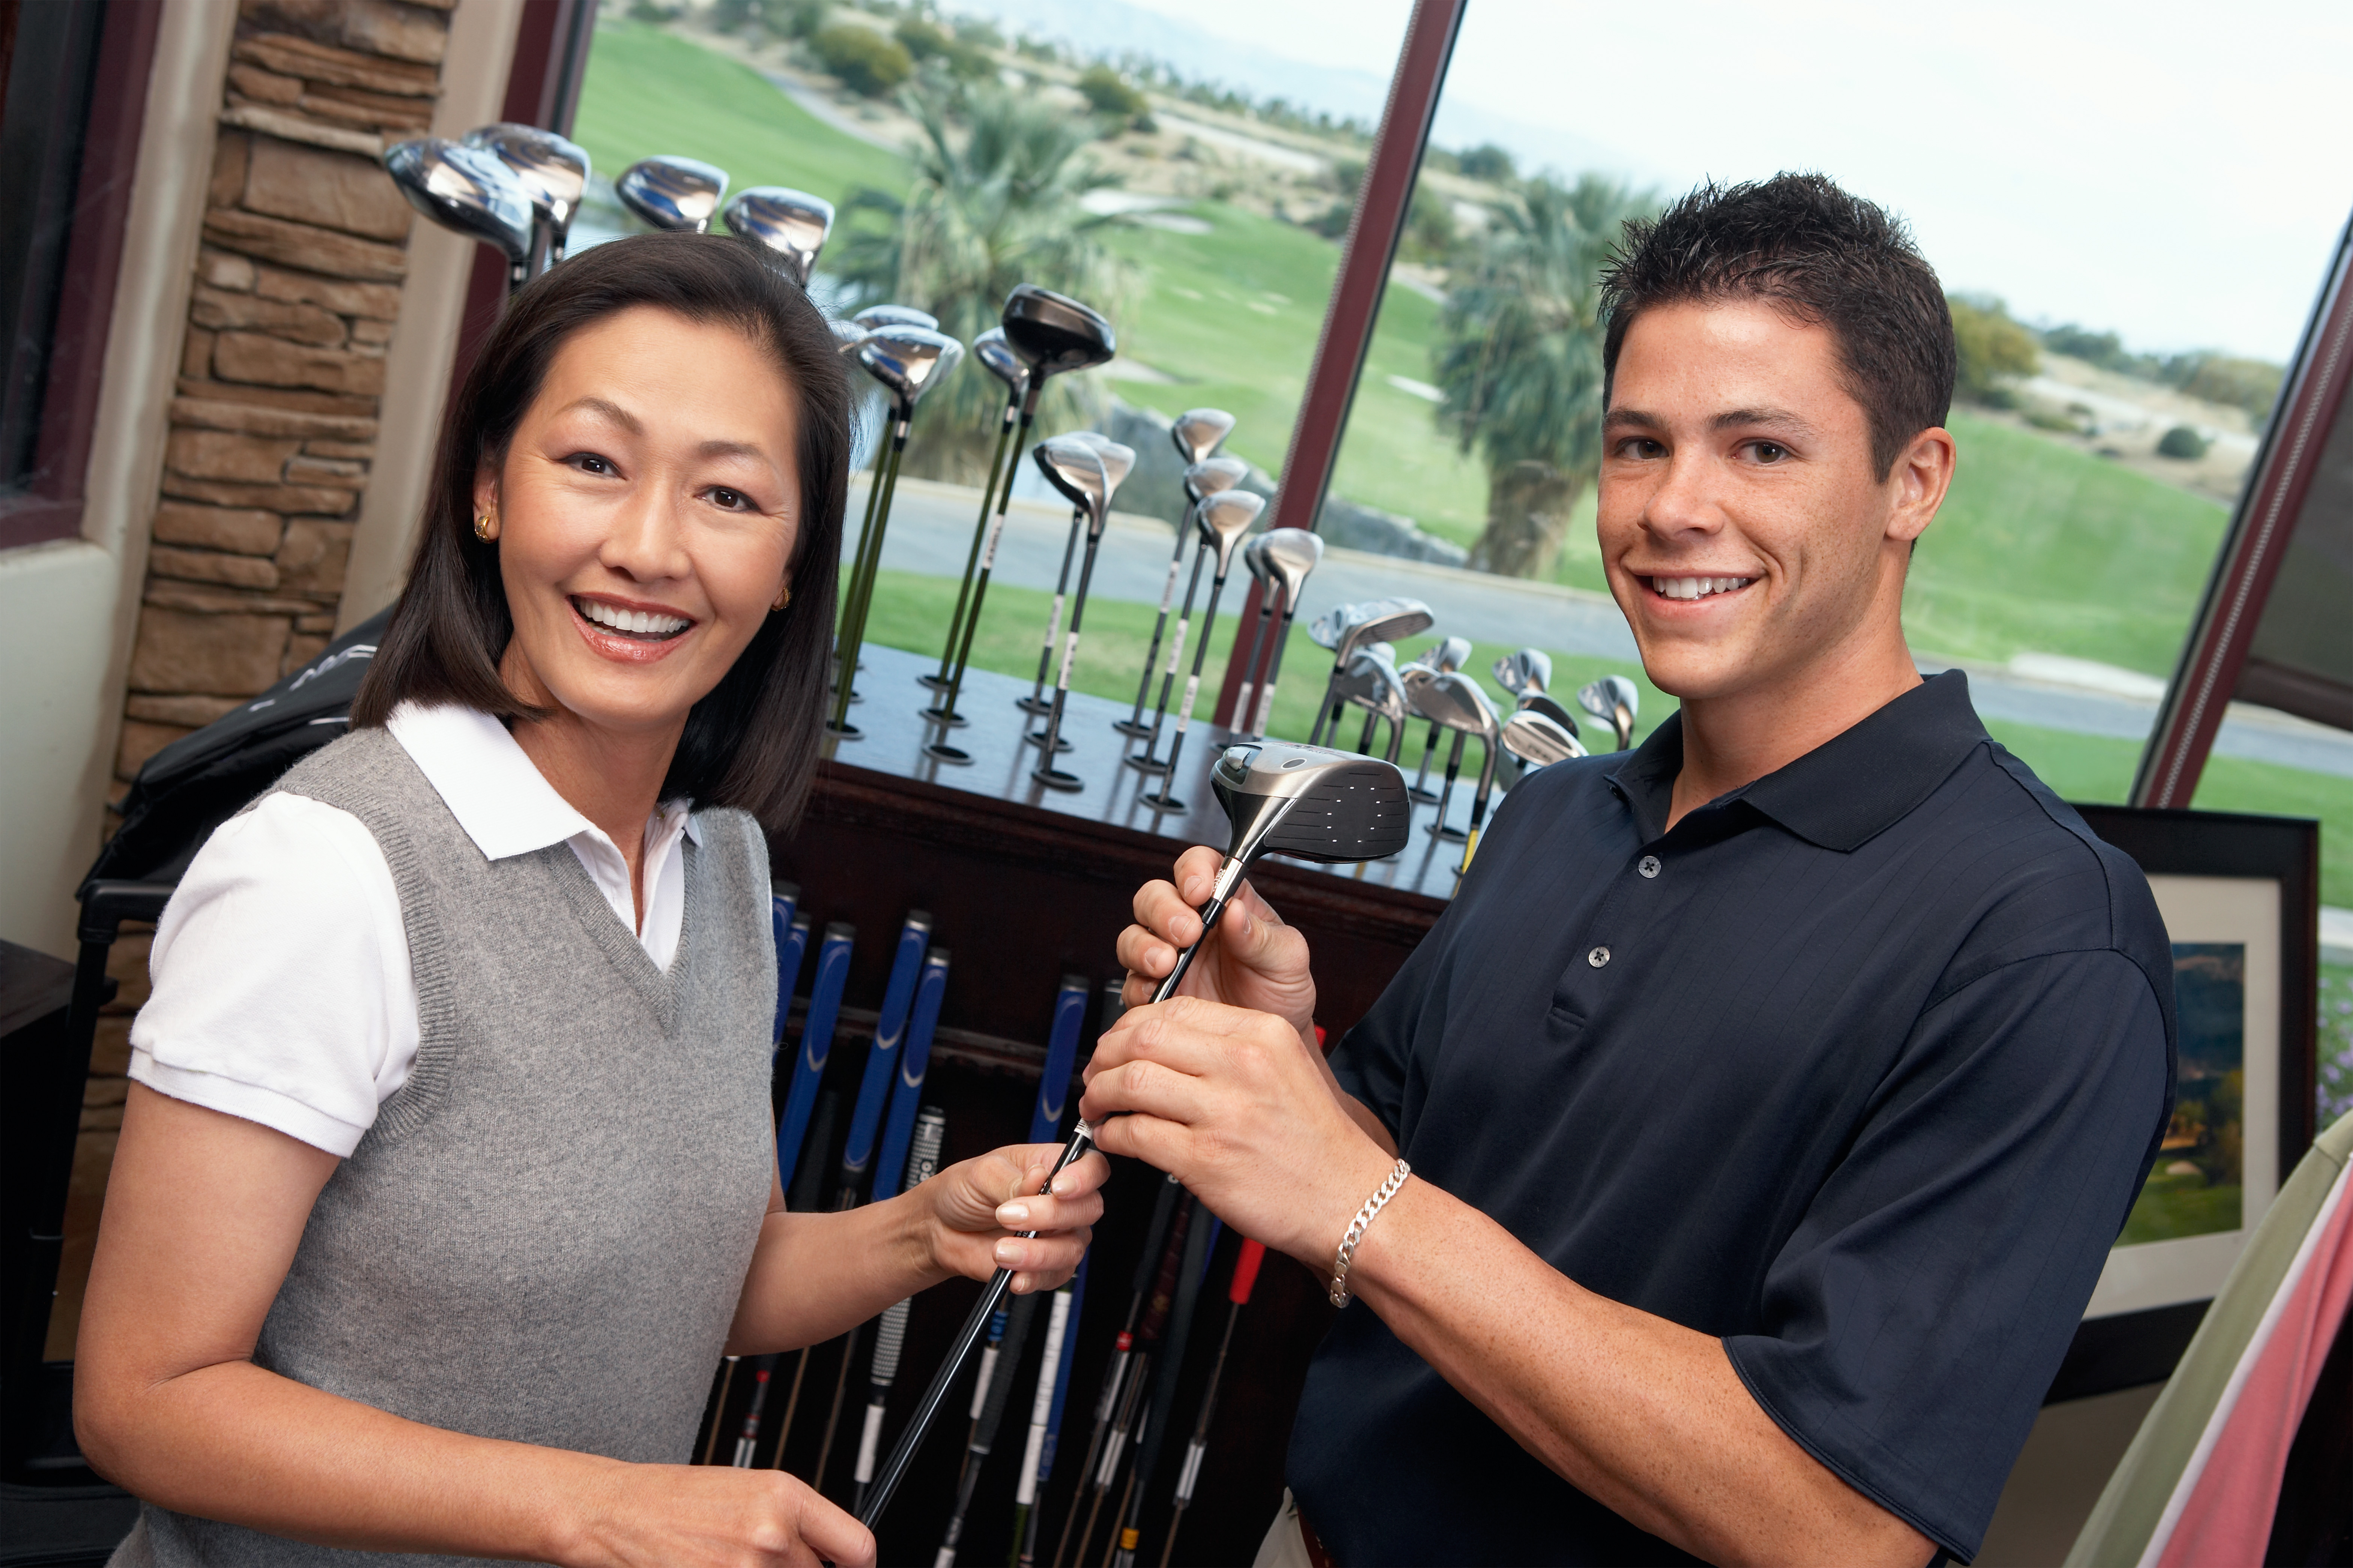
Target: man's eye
1769,451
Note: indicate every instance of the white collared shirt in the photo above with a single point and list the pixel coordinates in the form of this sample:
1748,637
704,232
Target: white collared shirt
282,988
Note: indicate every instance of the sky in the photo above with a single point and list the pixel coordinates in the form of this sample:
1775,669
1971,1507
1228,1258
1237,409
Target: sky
2173,173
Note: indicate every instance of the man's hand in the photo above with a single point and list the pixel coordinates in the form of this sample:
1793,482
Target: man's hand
1239,1107
978,1204
1252,961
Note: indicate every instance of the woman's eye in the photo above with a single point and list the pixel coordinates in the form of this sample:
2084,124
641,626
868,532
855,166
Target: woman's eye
730,501
590,463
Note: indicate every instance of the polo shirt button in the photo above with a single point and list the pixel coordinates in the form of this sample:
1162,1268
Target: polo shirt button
1650,866
1598,957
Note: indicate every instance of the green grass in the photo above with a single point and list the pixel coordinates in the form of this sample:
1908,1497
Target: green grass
2178,1206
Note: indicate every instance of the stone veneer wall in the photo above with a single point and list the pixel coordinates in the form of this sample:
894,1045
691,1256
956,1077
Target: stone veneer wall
273,427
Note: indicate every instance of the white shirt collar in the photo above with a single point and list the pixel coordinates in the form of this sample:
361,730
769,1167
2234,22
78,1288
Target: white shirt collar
497,794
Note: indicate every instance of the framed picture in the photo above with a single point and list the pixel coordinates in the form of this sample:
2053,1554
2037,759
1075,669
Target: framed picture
2241,897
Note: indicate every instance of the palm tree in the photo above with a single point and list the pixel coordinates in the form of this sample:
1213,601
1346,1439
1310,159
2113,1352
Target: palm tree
1519,357
997,200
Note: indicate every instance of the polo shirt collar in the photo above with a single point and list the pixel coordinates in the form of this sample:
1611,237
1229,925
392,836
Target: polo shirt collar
1844,792
495,791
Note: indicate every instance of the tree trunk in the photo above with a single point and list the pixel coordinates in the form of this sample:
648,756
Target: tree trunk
1527,515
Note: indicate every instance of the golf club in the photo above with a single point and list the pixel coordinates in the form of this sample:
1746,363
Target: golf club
891,1339
1453,701
1051,333
1128,1517
1614,699
1528,673
1348,627
1538,742
1373,683
1553,711
790,224
1224,521
908,361
1090,487
1197,434
1288,554
847,335
678,193
1214,476
1046,1415
1307,802
876,317
1443,658
997,357
1038,701
1238,1294
469,192
553,173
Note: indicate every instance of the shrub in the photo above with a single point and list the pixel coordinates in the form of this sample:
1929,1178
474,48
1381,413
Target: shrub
1332,221
1489,163
925,39
1993,347
2248,383
2182,441
863,59
1110,93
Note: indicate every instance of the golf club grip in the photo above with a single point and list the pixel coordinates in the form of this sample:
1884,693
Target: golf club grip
902,1453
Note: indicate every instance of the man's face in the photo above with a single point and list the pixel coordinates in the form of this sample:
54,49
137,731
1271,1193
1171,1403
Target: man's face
1748,536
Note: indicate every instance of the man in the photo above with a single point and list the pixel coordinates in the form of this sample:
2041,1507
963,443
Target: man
1773,1092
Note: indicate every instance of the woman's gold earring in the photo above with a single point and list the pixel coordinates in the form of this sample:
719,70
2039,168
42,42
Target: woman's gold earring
784,598
486,527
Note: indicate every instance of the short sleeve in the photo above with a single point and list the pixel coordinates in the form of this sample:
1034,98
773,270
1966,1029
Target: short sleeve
282,990
1916,1315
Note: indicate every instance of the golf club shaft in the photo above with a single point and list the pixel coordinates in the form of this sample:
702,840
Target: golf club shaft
1069,652
979,531
1175,655
1168,598
1192,690
1241,725
1238,1294
987,563
1054,616
861,583
1273,672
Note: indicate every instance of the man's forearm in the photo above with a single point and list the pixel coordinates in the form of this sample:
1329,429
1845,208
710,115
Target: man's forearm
1642,1414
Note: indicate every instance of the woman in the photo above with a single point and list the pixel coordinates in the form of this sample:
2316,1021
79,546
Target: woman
447,1173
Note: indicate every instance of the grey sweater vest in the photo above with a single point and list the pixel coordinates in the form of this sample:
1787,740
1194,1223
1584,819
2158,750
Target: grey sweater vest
542,1236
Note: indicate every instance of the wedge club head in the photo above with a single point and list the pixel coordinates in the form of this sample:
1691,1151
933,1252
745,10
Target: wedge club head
792,226
679,194
1615,700
1540,703
1075,466
553,172
1224,520
876,317
909,362
1375,620
1198,432
1327,629
1454,701
997,358
1538,742
1053,332
1447,656
1214,476
1528,670
467,190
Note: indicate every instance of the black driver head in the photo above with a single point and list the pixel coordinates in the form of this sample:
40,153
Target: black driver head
1310,802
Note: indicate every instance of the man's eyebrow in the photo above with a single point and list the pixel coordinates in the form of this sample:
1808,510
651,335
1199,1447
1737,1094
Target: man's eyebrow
610,410
1633,419
1780,418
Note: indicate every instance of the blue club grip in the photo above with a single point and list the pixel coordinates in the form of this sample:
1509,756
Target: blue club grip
883,1059
792,946
914,1059
817,1044
1061,1050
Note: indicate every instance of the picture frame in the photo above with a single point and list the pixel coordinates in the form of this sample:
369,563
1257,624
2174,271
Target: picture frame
2241,897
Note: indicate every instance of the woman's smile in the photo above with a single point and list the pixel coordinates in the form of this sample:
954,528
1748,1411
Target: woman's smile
634,634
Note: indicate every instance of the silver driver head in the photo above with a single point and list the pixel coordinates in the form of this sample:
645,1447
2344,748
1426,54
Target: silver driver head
1197,432
1537,741
1225,520
997,356
1528,670
1075,466
909,362
791,225
465,189
1053,332
877,316
1117,461
1212,476
553,171
673,192
1310,802
1290,554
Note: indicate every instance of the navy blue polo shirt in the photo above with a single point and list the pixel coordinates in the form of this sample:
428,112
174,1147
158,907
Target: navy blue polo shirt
1859,1068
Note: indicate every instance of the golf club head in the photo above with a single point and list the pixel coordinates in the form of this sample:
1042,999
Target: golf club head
1197,432
997,356
792,224
1213,476
1117,461
1615,700
1310,802
1075,466
1453,700
551,171
1537,703
1225,520
847,335
1446,655
1537,741
1053,332
1528,670
876,317
673,192
1372,681
909,362
1290,554
1255,558
464,189
1379,620
1328,628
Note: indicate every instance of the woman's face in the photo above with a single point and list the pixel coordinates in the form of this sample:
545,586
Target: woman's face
646,512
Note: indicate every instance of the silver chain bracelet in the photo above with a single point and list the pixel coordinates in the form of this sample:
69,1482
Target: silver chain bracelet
1347,1252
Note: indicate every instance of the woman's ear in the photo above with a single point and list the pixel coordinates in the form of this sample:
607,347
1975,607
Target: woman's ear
486,493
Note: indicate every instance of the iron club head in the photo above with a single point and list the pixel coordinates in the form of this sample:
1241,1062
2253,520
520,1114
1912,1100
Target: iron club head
553,172
673,192
1053,332
1375,620
1537,741
1372,681
997,356
1528,670
1211,476
1537,703
1446,655
465,189
909,362
1615,700
1224,520
876,317
847,335
1198,432
791,225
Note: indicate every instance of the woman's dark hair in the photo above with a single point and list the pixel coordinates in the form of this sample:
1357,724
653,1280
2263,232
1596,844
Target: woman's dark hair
753,740
1826,257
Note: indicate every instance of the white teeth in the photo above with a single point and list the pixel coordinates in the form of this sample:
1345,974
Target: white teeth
645,623
1696,587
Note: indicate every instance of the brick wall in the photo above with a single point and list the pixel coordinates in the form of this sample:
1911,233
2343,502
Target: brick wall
273,427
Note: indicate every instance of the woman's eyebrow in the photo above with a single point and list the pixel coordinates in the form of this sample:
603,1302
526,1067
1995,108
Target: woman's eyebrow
609,409
731,450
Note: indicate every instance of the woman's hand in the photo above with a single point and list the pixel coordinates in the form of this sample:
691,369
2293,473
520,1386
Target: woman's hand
711,1516
1252,961
977,1206
1241,1109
